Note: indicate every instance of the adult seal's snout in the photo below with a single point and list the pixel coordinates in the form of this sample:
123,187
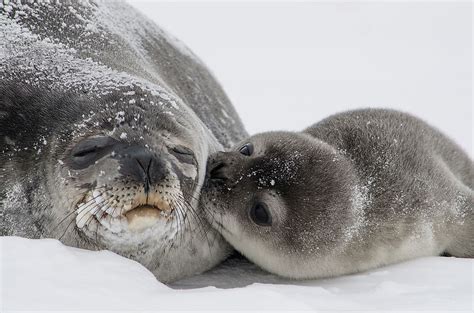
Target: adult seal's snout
142,165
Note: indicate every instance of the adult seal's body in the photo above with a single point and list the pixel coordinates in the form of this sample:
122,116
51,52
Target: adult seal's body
353,192
106,123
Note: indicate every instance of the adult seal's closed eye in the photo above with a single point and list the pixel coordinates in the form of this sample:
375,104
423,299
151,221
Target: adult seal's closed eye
353,192
106,124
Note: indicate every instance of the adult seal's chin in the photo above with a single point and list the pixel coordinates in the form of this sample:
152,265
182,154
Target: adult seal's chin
103,154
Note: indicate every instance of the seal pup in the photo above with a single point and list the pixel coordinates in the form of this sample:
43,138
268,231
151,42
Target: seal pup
106,124
353,192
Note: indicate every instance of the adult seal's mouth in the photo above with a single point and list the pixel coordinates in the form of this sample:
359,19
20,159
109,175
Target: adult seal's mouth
143,217
137,214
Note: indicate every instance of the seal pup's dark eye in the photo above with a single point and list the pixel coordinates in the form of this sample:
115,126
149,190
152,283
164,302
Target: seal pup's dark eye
90,150
260,215
247,149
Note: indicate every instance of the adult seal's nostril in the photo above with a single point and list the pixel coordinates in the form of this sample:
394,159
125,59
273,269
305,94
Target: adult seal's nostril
142,165
146,170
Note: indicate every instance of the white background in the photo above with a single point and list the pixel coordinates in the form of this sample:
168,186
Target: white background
286,65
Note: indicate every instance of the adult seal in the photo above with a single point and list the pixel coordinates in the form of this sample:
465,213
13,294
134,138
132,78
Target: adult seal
355,191
106,123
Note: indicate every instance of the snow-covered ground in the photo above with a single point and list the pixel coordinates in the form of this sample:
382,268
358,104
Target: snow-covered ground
44,275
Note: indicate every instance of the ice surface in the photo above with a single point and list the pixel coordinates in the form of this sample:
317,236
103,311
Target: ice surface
46,275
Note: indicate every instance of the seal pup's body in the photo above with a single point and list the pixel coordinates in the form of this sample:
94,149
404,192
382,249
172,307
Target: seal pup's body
353,192
106,124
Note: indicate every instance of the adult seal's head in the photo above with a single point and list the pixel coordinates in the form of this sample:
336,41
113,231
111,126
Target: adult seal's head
353,192
106,123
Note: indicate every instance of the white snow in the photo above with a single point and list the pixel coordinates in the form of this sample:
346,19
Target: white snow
44,275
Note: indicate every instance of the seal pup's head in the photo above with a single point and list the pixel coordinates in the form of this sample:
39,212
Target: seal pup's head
285,200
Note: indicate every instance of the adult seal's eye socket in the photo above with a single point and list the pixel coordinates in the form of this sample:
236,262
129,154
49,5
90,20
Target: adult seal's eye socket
183,150
183,154
260,215
247,149
90,150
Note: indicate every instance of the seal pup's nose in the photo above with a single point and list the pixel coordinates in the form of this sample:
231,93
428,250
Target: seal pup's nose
217,171
218,168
